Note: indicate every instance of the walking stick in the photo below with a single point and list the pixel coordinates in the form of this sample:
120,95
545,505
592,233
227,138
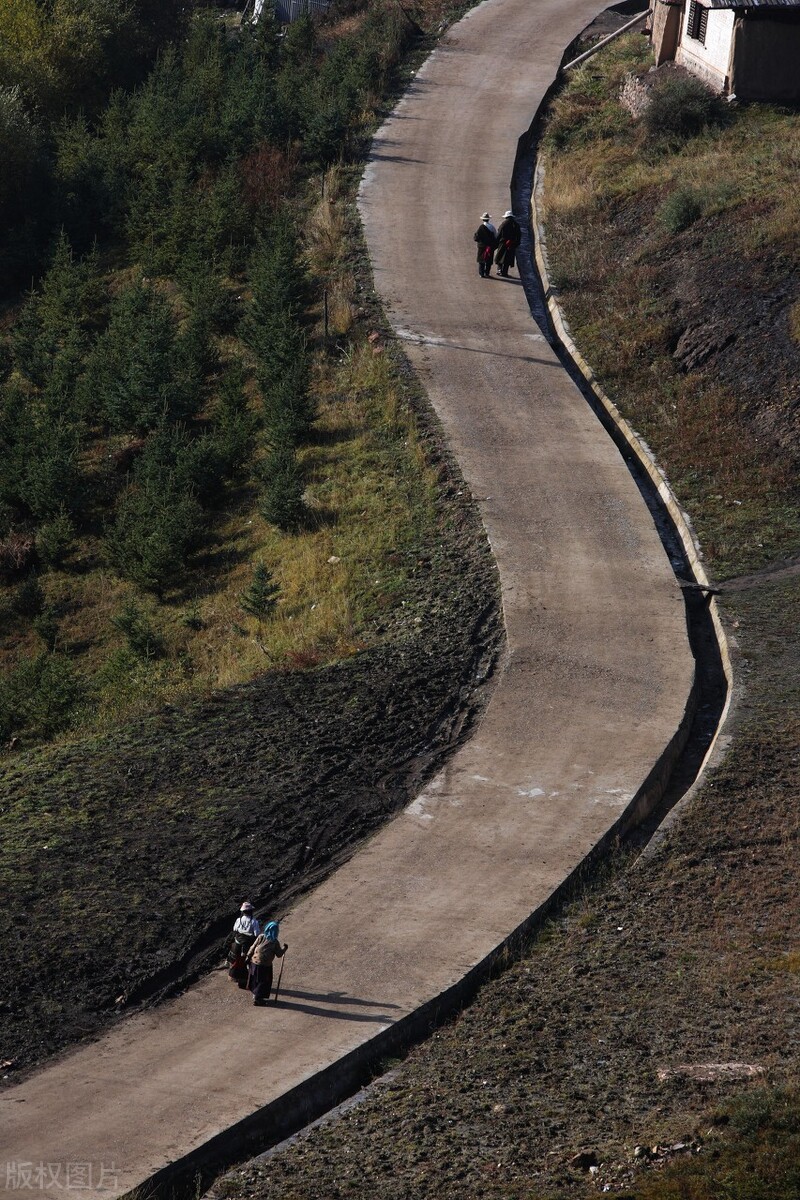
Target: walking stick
280,976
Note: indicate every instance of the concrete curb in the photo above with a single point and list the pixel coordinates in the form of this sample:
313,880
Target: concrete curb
630,440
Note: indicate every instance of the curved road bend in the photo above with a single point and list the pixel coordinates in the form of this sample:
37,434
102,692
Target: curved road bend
593,686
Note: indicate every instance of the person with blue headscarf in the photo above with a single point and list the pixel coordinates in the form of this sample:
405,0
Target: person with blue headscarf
260,957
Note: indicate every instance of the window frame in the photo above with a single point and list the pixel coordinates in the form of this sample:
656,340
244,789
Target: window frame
697,23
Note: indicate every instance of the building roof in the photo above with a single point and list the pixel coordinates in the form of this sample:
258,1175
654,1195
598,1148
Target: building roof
750,3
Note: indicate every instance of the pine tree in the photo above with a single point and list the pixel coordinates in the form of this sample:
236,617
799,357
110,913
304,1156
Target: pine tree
51,479
17,431
136,373
262,595
272,329
142,639
154,531
234,424
71,292
282,499
54,538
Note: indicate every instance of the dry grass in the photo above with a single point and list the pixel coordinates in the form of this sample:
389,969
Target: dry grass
794,322
329,238
369,498
632,285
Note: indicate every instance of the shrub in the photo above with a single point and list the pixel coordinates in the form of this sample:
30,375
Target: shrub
271,327
142,639
202,468
39,696
51,477
175,460
289,408
17,555
29,597
137,375
680,210
46,625
267,176
233,423
154,531
681,108
54,538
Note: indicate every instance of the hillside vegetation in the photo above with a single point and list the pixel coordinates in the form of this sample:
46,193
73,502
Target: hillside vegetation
645,1043
167,522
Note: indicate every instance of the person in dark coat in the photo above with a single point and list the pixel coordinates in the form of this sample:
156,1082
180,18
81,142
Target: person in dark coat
245,932
509,236
486,237
260,957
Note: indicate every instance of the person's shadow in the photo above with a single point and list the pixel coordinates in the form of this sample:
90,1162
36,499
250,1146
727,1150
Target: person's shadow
289,999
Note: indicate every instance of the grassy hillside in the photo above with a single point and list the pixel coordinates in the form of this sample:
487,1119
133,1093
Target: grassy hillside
645,1043
176,417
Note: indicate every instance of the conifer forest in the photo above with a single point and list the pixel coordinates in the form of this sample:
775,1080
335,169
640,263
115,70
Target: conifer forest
155,354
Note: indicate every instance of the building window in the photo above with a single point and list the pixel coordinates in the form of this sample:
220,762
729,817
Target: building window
698,22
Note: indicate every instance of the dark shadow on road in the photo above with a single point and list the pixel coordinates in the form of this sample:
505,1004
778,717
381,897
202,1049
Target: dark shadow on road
337,998
711,682
397,158
315,1011
444,345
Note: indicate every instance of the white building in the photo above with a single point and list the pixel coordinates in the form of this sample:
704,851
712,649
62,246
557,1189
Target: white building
746,48
286,10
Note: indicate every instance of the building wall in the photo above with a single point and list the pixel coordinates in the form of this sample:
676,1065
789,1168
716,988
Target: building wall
665,20
766,58
710,61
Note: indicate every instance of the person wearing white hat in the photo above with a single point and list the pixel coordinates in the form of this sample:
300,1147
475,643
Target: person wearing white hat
486,237
246,929
509,236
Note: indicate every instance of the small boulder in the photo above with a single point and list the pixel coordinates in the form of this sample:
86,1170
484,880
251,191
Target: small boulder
584,1160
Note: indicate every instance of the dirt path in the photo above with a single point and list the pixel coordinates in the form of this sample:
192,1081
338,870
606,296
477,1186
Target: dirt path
594,686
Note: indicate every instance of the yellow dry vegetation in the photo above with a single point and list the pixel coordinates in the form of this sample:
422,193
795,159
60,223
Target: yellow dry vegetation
633,221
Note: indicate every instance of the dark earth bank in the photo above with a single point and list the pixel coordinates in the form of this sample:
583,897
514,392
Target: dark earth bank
126,856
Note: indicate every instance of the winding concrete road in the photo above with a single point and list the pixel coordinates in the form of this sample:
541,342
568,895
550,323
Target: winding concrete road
594,684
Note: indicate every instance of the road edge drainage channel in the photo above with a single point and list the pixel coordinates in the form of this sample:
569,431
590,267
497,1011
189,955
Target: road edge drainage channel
695,744
714,688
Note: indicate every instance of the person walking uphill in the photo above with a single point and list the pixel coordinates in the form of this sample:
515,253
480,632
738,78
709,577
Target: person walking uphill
486,237
509,236
245,931
260,957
